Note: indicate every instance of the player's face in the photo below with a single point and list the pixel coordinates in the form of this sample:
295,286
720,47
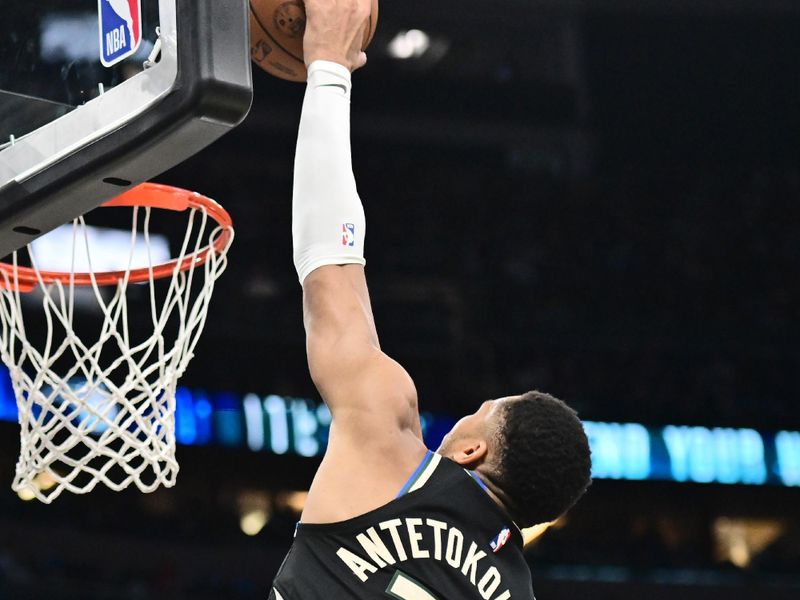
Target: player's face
479,425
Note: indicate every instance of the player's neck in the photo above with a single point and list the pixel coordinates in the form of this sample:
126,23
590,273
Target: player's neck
495,491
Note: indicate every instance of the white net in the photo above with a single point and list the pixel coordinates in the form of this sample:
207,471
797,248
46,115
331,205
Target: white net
101,411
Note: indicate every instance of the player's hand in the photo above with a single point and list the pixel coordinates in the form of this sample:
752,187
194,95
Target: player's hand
335,31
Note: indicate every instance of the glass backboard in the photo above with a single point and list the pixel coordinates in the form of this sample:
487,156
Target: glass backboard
51,57
97,96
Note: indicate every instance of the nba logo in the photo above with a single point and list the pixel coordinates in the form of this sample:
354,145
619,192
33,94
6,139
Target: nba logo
348,234
120,29
497,543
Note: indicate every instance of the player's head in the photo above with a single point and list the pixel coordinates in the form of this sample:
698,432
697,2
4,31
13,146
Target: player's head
531,450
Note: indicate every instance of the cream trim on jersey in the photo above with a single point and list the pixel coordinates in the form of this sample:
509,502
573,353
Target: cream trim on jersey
277,594
404,587
426,473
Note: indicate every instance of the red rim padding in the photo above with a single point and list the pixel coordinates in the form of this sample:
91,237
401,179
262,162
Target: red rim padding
151,195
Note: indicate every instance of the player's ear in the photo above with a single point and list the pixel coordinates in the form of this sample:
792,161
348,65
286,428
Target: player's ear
470,452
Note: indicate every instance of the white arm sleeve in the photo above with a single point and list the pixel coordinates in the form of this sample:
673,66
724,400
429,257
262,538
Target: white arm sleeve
328,223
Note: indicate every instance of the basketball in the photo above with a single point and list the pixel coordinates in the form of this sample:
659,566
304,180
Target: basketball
276,36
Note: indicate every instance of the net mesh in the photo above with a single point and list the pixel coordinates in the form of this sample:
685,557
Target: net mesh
102,412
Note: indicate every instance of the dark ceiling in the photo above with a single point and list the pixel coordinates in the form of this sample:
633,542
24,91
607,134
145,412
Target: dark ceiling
598,204
593,198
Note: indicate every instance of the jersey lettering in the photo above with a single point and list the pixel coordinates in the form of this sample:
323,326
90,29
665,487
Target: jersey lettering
486,579
398,545
414,537
489,583
438,527
439,544
455,544
374,546
471,563
357,565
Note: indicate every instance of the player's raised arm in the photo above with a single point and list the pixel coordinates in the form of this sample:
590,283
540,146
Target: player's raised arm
362,533
373,401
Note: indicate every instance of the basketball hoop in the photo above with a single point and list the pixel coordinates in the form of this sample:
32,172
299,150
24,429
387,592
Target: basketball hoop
104,411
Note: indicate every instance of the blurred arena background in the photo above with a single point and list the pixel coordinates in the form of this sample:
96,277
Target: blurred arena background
593,198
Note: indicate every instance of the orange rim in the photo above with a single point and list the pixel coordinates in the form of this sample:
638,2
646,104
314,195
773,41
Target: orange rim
152,195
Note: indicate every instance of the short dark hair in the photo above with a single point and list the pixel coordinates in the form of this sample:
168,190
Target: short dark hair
544,464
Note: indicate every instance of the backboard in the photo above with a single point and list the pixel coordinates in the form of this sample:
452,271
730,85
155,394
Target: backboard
97,96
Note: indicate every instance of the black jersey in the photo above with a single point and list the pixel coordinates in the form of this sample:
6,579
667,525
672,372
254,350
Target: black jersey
442,538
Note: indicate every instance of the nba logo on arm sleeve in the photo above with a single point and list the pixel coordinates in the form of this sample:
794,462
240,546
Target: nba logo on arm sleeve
348,234
120,29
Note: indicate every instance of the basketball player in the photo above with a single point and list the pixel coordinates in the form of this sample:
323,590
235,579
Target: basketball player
385,516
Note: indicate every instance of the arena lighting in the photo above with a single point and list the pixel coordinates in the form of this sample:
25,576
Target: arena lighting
532,534
738,541
292,501
252,522
409,44
620,451
110,249
26,494
254,511
43,481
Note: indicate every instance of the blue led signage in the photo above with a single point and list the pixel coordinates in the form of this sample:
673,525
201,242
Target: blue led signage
624,451
631,451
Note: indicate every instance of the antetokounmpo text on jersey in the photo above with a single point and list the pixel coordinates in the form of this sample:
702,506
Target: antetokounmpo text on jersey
449,546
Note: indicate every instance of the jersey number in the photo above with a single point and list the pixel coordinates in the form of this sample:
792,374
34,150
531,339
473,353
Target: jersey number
404,587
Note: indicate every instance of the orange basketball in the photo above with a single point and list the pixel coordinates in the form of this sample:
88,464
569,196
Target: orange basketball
276,36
